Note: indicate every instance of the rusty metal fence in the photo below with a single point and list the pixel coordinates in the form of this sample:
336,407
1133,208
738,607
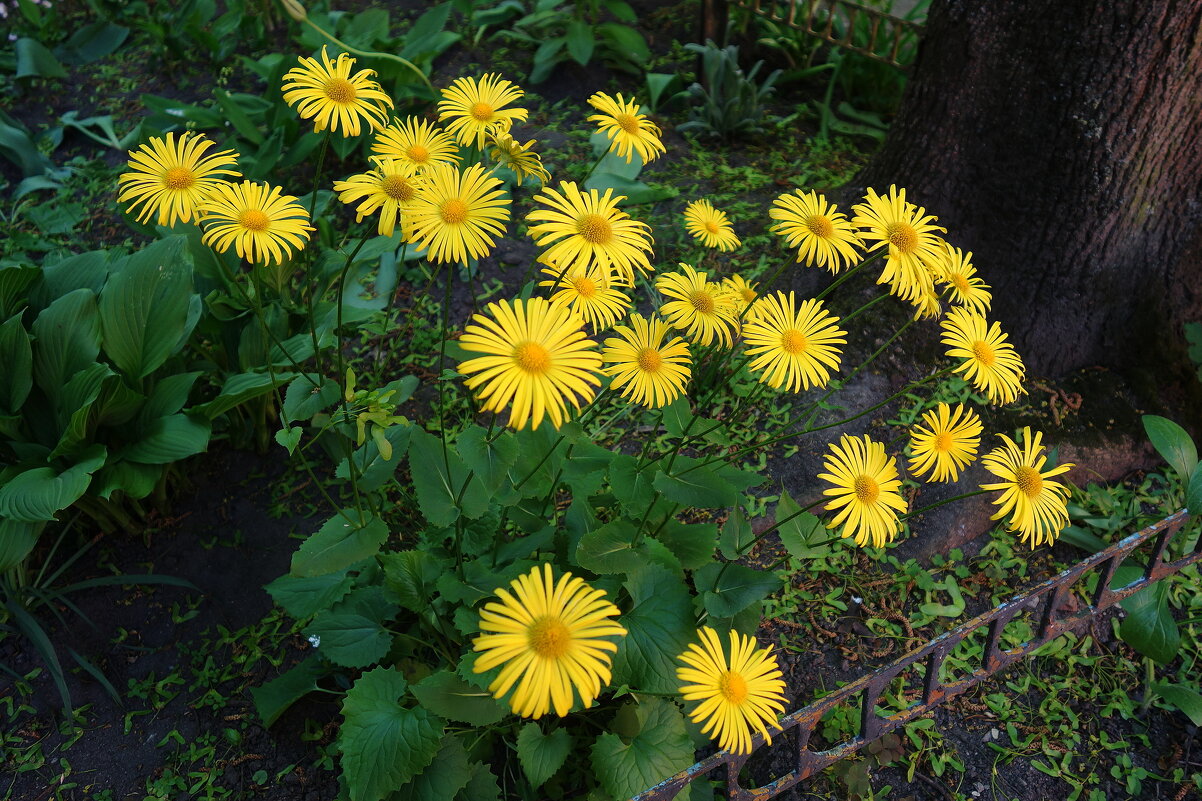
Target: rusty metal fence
1047,606
846,24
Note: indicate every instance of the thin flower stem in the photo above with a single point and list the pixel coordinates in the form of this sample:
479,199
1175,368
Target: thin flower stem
841,279
943,502
311,306
371,53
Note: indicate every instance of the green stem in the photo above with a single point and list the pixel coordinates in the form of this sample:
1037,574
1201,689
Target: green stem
842,278
943,502
371,53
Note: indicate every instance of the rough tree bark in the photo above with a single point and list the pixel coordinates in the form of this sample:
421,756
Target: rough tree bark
1061,142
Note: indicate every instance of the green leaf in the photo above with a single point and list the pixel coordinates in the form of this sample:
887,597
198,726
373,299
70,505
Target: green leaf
35,61
698,487
238,389
1149,626
541,755
237,116
273,698
374,469
302,400
450,697
1182,696
16,354
303,597
74,407
692,543
660,749
383,744
632,487
352,633
800,534
1193,494
144,307
659,625
437,487
17,539
737,535
91,43
169,395
66,339
135,480
677,415
169,439
343,540
1173,444
411,576
729,588
442,779
481,785
580,41
609,549
490,460
36,495
15,279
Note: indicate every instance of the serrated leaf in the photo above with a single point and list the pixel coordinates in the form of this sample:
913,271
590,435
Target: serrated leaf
440,480
411,576
490,460
450,697
802,531
273,698
692,543
352,633
631,486
289,438
677,415
343,540
541,755
1173,444
736,534
305,596
660,749
699,487
383,744
729,588
303,399
442,779
659,625
481,785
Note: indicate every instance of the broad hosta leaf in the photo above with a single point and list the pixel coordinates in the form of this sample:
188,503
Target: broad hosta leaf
91,43
541,755
728,589
169,395
450,697
66,339
442,779
169,439
437,488
661,748
659,626
411,576
144,307
1182,696
699,487
15,279
490,460
343,540
34,60
302,597
74,407
16,355
1193,494
36,495
352,632
17,539
1174,444
273,698
383,744
238,389
580,41
134,480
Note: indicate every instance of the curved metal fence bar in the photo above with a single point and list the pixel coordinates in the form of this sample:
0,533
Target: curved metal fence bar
844,23
1049,607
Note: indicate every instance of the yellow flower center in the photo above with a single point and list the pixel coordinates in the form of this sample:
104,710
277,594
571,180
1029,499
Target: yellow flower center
628,123
482,112
702,301
983,353
733,687
585,286
594,228
453,211
397,188
793,341
712,227
1030,483
179,178
254,220
418,153
960,283
867,490
532,357
748,294
650,360
340,90
549,637
819,226
943,442
902,236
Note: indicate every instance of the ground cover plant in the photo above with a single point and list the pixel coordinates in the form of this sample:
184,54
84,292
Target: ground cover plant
540,541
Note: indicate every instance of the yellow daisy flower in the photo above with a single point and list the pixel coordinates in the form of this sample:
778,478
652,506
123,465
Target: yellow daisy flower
554,638
710,226
261,223
417,142
334,98
628,131
865,490
962,280
173,178
588,228
588,292
703,309
990,362
793,345
456,214
1036,504
742,288
390,188
822,235
915,252
536,357
945,442
737,695
474,110
648,371
524,162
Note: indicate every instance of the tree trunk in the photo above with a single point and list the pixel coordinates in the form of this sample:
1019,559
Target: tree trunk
1061,142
